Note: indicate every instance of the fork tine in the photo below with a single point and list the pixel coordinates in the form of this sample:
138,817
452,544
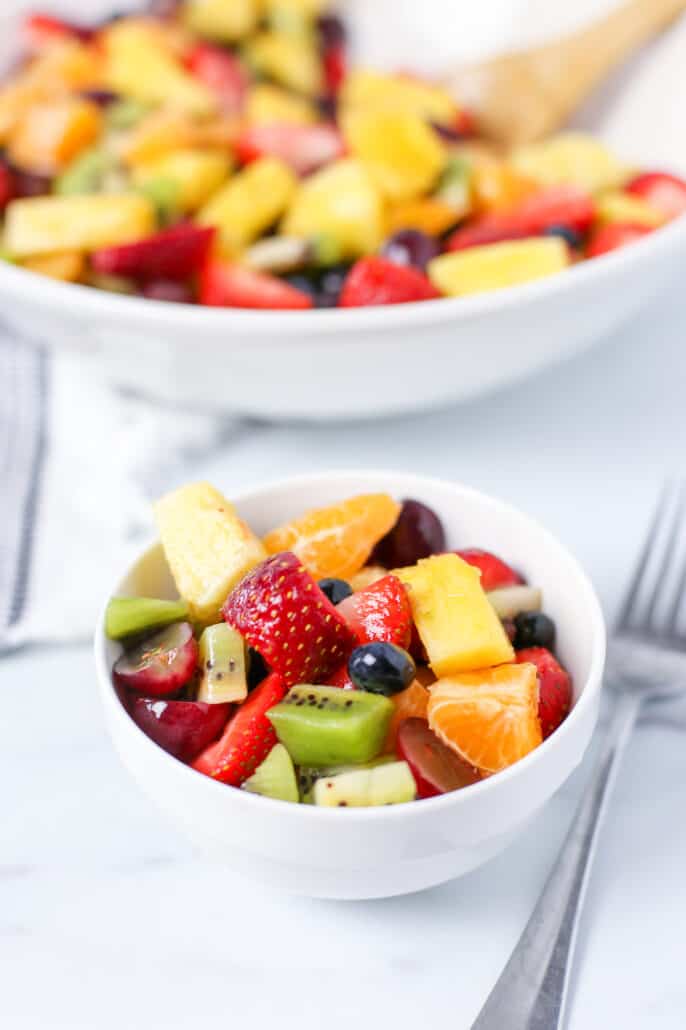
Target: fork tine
628,608
669,550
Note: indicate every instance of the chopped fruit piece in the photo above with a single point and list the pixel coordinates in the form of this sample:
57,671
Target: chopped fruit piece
168,290
553,207
533,629
622,206
436,768
412,248
169,130
227,285
248,738
571,157
402,154
42,31
498,265
497,186
336,590
490,718
183,728
208,548
373,281
339,201
217,19
128,616
7,186
324,726
381,668
305,148
279,610
662,191
308,776
613,237
161,664
554,687
411,703
67,267
289,58
335,67
366,577
494,572
88,172
275,777
510,601
380,612
388,784
52,133
336,541
249,203
367,90
426,214
221,659
194,174
270,105
45,225
456,623
425,676
278,254
417,534
175,253
222,73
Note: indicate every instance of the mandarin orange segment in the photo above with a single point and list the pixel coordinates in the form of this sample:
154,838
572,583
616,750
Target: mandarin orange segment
337,541
490,718
409,704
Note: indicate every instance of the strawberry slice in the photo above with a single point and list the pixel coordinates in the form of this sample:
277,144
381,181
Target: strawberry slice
221,72
554,687
247,739
281,612
227,285
335,67
494,572
7,186
613,236
663,191
304,147
176,253
565,206
374,280
43,30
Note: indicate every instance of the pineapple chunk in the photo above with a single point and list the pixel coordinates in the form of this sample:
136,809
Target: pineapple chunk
162,131
373,91
194,174
52,133
267,104
292,59
45,225
226,21
139,66
618,206
342,202
67,267
249,203
208,548
455,620
495,265
402,154
571,157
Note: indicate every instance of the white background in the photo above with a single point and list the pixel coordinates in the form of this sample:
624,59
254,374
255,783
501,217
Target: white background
107,918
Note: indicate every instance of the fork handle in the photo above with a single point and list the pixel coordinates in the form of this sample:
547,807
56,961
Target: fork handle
532,989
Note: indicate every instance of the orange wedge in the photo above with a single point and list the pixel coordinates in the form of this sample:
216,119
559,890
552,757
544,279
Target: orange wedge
490,718
337,541
409,704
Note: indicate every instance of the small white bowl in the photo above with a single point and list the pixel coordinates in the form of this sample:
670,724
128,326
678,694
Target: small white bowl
370,853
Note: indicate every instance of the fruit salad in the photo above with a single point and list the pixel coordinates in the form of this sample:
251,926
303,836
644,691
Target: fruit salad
350,658
225,153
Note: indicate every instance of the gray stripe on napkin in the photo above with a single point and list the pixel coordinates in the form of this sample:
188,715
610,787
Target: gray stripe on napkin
23,413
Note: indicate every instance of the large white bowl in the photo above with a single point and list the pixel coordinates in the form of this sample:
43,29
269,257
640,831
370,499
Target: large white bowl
365,853
332,364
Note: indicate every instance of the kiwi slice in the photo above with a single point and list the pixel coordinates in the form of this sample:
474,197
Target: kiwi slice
221,658
307,776
324,726
390,784
275,778
128,616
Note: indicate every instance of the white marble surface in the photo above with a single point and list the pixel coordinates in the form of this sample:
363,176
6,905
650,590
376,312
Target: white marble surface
109,920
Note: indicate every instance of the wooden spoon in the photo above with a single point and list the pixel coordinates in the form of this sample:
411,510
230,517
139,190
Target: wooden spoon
520,97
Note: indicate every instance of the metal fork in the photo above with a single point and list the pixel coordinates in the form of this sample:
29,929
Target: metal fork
646,661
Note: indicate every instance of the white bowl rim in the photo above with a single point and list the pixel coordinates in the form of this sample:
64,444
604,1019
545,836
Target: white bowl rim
586,699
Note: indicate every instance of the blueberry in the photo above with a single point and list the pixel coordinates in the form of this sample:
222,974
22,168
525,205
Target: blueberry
534,629
571,236
381,668
335,589
257,668
331,283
